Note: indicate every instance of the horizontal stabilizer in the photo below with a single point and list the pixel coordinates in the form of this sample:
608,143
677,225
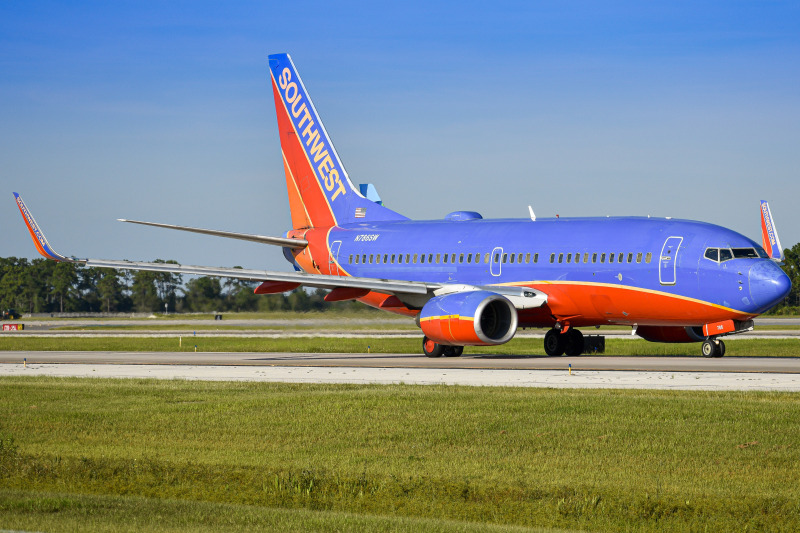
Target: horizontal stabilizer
263,239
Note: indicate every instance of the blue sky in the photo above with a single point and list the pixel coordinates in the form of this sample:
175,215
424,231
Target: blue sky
163,112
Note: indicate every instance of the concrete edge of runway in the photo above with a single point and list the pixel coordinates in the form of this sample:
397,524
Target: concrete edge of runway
593,379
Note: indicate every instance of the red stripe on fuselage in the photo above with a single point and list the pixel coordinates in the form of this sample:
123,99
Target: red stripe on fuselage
590,304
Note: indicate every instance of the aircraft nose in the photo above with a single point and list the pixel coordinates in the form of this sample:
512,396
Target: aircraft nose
768,284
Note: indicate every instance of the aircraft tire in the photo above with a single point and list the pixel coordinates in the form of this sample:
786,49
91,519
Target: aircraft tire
721,349
431,349
453,351
554,343
574,342
709,348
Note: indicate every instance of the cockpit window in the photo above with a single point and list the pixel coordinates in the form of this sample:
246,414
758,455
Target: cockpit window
712,253
739,253
725,254
761,253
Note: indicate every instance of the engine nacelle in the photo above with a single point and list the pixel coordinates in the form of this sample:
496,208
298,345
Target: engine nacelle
671,333
476,318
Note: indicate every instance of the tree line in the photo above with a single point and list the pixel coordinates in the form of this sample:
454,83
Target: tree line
44,286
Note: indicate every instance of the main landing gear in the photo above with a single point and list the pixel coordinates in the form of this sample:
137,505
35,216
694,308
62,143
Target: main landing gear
433,349
713,348
569,342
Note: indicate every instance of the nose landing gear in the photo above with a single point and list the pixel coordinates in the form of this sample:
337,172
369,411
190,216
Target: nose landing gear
713,348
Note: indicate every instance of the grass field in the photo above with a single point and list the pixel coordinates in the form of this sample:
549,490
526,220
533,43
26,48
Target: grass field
519,346
166,455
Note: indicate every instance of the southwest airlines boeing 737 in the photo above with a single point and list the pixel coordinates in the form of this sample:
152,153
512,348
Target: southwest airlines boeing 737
469,281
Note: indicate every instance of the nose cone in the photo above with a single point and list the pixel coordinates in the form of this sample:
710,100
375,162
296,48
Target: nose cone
768,285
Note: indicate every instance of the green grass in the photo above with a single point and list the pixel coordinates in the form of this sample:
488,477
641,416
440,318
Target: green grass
79,512
519,346
573,459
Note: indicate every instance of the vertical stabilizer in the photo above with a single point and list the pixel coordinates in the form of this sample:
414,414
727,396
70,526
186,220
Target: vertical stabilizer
320,192
769,234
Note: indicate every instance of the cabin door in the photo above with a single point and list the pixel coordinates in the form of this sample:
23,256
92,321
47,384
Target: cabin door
668,262
333,261
496,261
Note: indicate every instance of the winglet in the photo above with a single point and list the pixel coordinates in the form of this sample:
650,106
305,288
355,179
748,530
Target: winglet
39,240
769,234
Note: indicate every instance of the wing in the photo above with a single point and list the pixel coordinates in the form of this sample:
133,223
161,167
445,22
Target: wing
414,294
263,239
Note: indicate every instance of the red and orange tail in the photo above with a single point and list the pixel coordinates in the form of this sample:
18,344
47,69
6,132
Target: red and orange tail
320,192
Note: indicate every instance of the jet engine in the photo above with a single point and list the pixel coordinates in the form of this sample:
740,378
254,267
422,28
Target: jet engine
476,318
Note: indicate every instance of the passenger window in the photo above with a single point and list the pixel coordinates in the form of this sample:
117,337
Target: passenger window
505,258
486,257
560,258
438,256
648,257
513,257
415,258
639,257
364,259
725,254
519,258
357,258
351,259
445,257
712,253
370,258
594,257
552,258
496,258
422,258
619,259
461,258
385,258
527,258
430,258
453,258
399,258
469,258
393,256
535,258
603,258
408,258
569,258
610,258
630,257
585,257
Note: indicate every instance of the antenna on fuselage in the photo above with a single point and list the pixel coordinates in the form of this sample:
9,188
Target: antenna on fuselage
533,215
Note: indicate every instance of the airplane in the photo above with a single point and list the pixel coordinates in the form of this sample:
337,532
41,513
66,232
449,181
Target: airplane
470,281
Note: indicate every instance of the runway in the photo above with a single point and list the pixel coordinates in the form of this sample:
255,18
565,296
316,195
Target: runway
677,373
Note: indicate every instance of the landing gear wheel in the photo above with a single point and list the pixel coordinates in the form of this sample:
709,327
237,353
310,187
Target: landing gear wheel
453,351
712,348
573,344
554,343
431,349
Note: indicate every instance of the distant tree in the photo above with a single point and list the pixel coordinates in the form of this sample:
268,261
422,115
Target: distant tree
203,294
143,291
167,285
63,283
109,288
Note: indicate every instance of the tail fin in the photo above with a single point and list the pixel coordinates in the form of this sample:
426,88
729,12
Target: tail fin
320,192
769,234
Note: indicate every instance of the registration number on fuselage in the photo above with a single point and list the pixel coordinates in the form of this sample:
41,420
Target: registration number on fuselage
367,237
